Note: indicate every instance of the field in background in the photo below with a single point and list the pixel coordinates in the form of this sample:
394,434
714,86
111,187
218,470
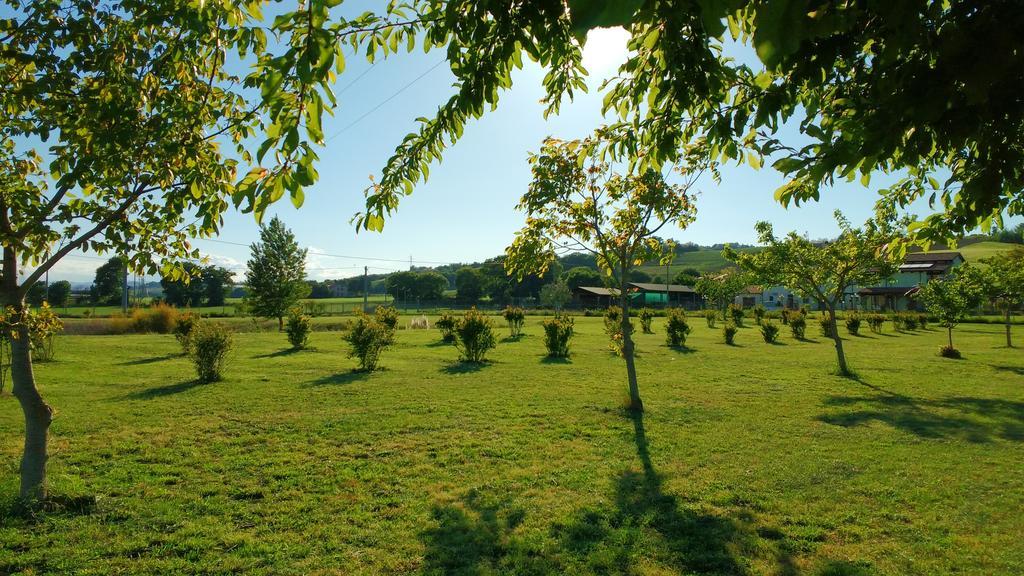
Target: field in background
750,459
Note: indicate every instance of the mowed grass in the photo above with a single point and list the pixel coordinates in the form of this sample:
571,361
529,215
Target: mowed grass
750,459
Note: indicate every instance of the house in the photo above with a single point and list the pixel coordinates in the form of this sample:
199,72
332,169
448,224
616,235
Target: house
898,291
661,294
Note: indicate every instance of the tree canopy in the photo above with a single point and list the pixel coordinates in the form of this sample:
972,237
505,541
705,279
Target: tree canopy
922,89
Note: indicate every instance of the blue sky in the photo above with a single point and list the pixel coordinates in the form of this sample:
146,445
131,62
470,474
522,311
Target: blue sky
466,211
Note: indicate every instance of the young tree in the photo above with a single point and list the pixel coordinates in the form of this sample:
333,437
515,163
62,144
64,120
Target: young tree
951,298
275,277
825,271
1003,283
555,295
578,202
149,115
59,293
109,283
719,289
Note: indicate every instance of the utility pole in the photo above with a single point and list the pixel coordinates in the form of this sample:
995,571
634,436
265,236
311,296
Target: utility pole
667,294
366,287
410,262
124,288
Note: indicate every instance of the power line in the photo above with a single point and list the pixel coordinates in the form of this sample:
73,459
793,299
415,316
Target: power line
384,101
356,79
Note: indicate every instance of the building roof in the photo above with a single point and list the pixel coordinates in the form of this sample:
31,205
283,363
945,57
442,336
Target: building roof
886,290
598,290
931,262
652,287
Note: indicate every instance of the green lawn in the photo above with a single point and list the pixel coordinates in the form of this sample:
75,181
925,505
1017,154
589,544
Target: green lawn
750,459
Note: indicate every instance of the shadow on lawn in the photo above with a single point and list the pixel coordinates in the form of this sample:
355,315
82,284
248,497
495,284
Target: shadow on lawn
282,352
459,367
339,379
641,528
160,391
1018,370
976,420
153,360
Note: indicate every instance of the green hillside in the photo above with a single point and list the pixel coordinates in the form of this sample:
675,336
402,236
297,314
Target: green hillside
979,250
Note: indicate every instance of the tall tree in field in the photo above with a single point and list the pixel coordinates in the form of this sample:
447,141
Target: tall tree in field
109,283
719,289
275,279
153,117
1003,283
216,284
578,202
825,271
59,293
951,299
469,284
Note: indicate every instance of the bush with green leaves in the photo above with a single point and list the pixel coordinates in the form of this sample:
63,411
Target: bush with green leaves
676,328
388,316
729,333
211,342
613,327
446,324
43,326
646,317
784,314
298,328
183,329
515,317
825,326
759,313
922,321
710,316
853,324
798,325
876,322
557,333
769,331
948,351
474,336
736,314
368,338
910,321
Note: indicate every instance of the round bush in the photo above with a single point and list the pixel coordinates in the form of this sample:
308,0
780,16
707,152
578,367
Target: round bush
210,344
676,328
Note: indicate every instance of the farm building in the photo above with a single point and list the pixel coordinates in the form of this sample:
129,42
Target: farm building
917,269
672,294
594,296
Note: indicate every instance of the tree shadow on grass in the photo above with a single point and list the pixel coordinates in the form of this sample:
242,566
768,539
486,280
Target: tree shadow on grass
460,367
340,379
16,510
282,352
555,360
976,420
160,391
1018,370
439,344
153,360
682,349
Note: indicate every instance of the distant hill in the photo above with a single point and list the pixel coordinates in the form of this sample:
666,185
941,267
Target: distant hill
978,250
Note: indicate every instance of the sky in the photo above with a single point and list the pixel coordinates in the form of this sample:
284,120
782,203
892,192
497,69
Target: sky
466,212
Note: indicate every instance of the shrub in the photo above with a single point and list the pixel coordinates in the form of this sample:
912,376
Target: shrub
785,315
729,333
798,325
43,325
613,327
948,351
298,328
159,318
825,326
676,328
910,321
184,326
646,317
769,331
515,317
388,316
557,333
210,344
759,312
853,324
710,316
367,339
474,336
736,314
922,320
876,322
446,324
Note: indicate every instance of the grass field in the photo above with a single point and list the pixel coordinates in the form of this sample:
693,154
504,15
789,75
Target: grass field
750,459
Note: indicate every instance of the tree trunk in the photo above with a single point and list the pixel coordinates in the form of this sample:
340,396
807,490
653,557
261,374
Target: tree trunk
1009,342
280,323
635,404
38,416
949,329
834,330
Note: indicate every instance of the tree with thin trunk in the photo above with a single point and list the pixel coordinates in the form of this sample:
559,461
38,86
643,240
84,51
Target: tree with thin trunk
719,289
826,271
154,118
1003,284
275,278
578,202
952,298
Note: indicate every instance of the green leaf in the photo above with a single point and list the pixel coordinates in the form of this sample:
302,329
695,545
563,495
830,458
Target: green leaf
587,14
779,29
